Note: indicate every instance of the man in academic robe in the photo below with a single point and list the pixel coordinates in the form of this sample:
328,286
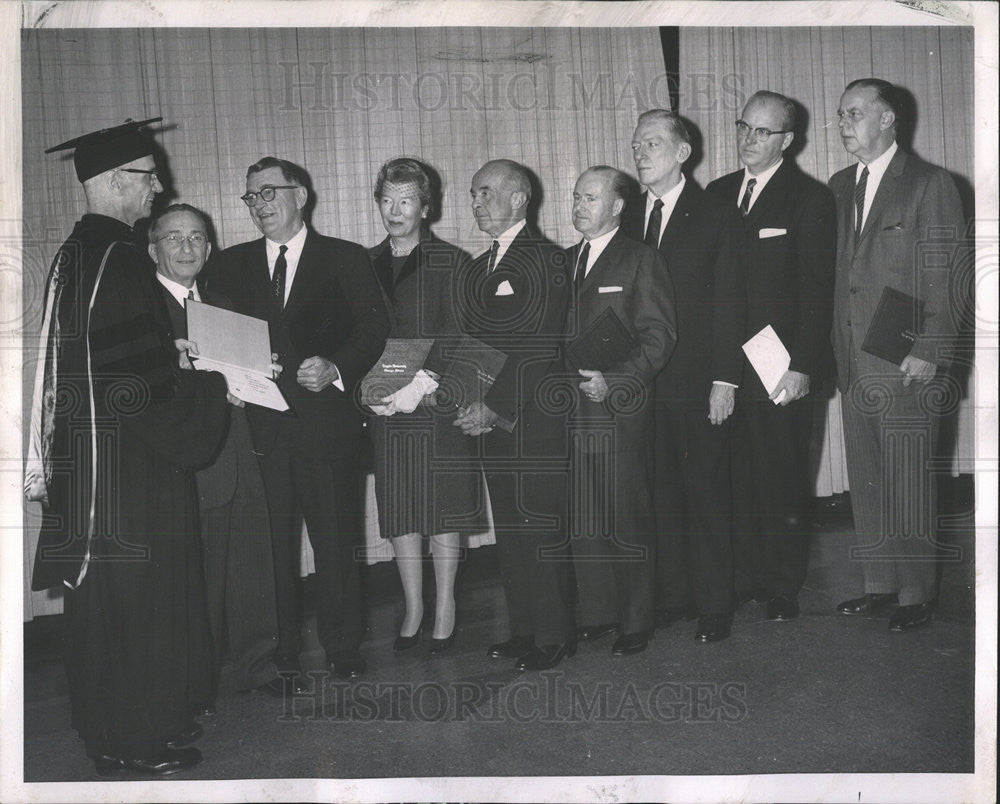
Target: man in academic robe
328,324
235,530
791,245
117,428
700,238
900,226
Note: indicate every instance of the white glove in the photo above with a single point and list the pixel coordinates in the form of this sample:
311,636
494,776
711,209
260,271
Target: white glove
407,398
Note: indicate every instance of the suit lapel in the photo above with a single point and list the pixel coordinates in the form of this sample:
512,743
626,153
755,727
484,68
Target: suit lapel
178,318
886,190
606,257
774,191
304,274
678,218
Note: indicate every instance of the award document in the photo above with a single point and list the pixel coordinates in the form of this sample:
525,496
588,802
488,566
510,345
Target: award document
401,359
471,372
603,344
238,347
769,358
894,327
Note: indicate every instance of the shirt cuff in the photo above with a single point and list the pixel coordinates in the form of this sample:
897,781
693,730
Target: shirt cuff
723,382
339,382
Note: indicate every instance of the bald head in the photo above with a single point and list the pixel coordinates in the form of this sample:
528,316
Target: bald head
500,193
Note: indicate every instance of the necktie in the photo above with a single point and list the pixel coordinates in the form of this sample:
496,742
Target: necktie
652,237
278,281
494,249
581,265
859,202
745,201
191,292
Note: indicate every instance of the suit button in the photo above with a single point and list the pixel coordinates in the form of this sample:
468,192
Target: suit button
855,290
848,322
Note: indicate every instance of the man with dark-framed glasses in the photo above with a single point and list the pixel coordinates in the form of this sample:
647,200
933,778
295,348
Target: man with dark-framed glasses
328,327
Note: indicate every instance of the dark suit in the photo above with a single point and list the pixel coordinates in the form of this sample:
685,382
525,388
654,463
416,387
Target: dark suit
335,310
520,309
702,246
913,237
791,247
236,542
614,527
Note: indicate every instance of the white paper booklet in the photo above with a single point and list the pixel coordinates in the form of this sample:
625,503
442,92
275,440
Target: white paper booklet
769,358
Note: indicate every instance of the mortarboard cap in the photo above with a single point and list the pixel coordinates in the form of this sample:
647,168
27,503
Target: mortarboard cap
108,148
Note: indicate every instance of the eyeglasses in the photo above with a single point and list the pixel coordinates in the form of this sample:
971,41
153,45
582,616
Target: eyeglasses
266,193
153,175
759,133
196,240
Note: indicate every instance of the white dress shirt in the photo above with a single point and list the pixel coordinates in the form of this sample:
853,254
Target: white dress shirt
762,179
876,170
669,200
177,290
292,255
597,246
505,238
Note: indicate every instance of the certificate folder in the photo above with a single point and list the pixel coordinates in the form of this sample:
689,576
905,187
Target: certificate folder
471,372
769,358
237,346
395,369
895,326
602,345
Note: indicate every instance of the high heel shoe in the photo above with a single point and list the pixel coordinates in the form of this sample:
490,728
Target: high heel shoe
441,645
405,643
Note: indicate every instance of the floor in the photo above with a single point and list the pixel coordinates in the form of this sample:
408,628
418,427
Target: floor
823,693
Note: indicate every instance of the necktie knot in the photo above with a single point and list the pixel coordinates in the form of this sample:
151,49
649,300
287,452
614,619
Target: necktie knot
191,295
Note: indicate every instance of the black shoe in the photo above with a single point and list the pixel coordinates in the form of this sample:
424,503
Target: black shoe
170,760
513,648
588,633
868,604
752,596
545,657
627,644
713,627
405,643
203,709
906,618
783,607
667,617
348,664
191,732
441,645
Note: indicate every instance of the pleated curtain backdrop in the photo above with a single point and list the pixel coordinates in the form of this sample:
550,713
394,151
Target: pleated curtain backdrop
721,67
338,101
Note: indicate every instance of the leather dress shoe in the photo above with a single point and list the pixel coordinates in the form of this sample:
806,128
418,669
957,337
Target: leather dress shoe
627,644
405,643
713,627
191,732
906,618
168,761
867,604
545,657
348,664
441,645
588,633
783,607
667,617
513,648
202,709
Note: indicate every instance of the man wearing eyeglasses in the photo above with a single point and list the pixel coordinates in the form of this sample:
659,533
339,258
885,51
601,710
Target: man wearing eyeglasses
235,531
328,326
113,464
700,237
790,251
900,226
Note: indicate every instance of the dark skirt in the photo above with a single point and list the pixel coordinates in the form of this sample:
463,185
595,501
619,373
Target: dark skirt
427,475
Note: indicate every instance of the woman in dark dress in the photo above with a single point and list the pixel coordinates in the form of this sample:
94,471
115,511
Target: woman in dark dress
426,477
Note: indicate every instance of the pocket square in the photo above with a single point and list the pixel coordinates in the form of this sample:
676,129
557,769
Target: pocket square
894,228
610,289
504,289
771,233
